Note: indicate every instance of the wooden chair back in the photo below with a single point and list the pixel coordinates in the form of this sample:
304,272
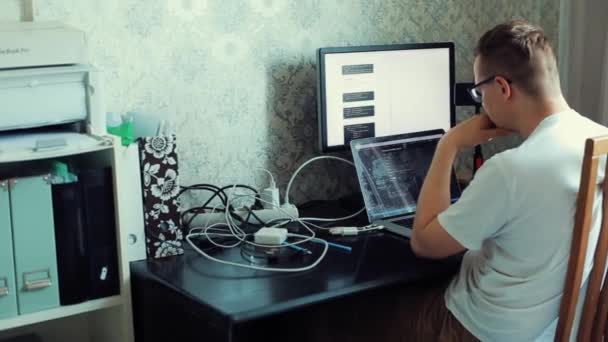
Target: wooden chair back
592,325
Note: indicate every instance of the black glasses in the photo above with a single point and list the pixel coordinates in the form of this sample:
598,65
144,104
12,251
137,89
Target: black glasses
476,94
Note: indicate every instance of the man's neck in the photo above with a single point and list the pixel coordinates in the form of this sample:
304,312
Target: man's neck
540,110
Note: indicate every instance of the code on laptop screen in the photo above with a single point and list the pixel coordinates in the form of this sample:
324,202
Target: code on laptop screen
393,175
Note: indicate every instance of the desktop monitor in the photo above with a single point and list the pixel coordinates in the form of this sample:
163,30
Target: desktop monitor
374,91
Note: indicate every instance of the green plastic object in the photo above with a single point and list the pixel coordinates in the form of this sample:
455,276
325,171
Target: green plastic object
59,169
124,131
61,173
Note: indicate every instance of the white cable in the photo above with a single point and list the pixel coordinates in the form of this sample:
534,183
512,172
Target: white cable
233,230
333,219
232,225
262,268
217,244
272,180
209,217
315,218
306,163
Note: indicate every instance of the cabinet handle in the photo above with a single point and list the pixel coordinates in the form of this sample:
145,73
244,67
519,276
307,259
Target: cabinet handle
4,288
38,284
4,185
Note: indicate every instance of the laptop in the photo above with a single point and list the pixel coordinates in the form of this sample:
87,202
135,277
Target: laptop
391,170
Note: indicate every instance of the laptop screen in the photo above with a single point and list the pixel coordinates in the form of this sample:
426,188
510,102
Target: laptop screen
391,171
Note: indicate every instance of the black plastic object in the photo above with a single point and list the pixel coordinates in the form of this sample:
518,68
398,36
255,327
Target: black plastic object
100,221
72,251
85,234
462,96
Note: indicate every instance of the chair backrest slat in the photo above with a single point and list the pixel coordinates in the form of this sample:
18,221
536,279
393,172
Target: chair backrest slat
596,306
578,249
601,316
594,287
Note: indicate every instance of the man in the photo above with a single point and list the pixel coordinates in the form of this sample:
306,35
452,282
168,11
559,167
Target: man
516,216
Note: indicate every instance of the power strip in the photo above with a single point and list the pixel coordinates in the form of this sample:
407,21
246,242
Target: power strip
266,215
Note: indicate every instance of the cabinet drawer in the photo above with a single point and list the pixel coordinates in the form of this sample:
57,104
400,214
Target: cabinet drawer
8,295
34,244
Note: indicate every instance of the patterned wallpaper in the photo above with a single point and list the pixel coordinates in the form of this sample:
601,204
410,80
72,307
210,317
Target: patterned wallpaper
238,76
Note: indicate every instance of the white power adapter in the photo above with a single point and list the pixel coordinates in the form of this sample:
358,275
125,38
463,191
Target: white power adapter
270,236
270,197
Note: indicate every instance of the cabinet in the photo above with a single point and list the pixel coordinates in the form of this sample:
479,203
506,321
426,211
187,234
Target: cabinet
8,296
105,319
34,244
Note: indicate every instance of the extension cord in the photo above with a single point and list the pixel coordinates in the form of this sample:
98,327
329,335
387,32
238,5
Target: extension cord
287,211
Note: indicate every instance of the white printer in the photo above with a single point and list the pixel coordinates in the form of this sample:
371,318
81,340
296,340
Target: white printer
45,82
31,44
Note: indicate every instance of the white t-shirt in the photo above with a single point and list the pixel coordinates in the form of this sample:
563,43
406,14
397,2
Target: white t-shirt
516,219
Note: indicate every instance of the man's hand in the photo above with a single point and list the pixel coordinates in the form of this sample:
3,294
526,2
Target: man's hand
474,131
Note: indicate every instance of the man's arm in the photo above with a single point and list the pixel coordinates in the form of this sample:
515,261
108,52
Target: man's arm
429,238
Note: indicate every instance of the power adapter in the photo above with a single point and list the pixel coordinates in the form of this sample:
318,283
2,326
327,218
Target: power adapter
270,197
270,236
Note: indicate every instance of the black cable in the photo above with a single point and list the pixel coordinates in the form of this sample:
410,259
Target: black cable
217,192
250,212
247,223
221,193
197,211
201,186
201,209
247,220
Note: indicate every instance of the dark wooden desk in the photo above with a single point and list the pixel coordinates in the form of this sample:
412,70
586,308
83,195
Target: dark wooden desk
190,298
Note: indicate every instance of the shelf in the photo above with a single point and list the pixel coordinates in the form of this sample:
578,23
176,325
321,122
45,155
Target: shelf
77,144
59,312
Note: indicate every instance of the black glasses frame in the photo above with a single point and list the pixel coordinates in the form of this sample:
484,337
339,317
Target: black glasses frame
477,97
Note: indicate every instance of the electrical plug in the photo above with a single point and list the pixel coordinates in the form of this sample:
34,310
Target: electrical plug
270,196
344,231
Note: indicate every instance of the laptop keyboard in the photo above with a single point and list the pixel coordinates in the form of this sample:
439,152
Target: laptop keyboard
406,222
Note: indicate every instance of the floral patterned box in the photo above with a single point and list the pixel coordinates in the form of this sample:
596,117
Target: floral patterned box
158,160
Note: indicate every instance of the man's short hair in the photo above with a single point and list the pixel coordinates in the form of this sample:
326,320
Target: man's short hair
520,52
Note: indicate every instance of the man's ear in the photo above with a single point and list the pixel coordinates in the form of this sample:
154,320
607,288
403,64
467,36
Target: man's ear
505,87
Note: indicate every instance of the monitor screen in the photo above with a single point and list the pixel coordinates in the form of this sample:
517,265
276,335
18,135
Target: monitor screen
375,91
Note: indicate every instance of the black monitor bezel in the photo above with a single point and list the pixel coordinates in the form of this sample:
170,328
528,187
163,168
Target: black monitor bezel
321,92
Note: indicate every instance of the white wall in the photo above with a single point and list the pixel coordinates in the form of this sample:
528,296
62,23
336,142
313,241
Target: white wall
583,36
238,77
